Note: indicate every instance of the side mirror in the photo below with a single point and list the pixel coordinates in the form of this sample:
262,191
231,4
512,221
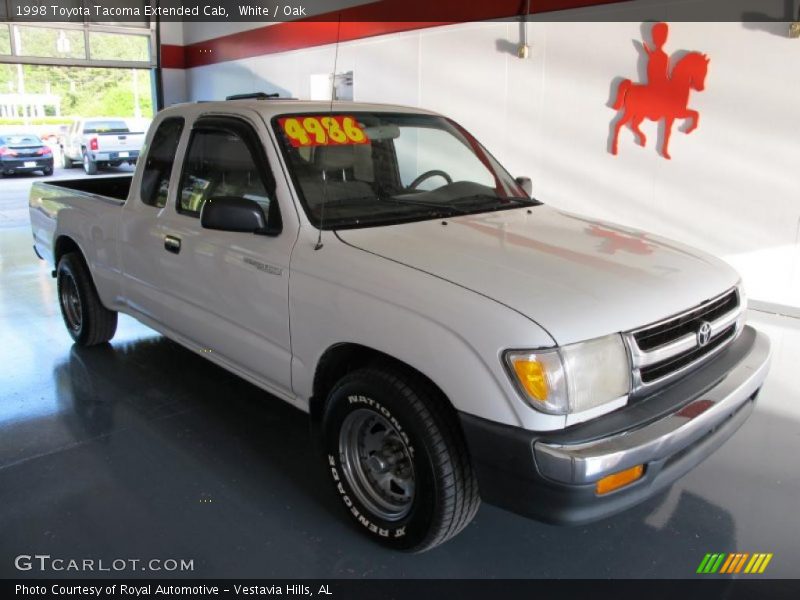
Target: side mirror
526,184
231,213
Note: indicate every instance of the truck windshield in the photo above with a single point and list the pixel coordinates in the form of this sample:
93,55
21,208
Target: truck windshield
109,126
359,169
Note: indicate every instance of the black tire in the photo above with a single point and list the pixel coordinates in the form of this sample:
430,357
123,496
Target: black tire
89,166
68,164
48,171
421,442
88,322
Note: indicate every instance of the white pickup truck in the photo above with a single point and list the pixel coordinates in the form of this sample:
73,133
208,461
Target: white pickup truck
452,338
99,142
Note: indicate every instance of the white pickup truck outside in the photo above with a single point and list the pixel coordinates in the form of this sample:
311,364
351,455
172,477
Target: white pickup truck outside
99,142
452,338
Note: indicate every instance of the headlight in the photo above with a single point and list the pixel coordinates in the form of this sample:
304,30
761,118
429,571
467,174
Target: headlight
572,378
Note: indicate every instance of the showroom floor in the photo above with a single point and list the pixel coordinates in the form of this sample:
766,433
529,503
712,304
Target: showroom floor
141,449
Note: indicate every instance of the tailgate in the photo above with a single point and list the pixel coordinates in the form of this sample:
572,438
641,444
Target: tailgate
115,142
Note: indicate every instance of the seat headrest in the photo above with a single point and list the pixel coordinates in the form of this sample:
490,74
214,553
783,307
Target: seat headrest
233,154
334,157
357,157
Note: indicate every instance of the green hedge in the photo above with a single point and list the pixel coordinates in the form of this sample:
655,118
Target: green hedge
35,121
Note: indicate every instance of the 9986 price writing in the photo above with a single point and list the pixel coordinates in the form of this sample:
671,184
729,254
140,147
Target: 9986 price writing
323,130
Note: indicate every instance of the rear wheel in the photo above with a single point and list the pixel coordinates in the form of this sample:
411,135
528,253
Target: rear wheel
88,321
89,166
398,460
47,171
68,164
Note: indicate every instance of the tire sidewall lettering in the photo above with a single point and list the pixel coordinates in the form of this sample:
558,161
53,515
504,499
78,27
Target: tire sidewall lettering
381,529
360,517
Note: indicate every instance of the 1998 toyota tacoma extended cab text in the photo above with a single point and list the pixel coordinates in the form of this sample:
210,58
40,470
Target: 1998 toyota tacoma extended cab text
451,338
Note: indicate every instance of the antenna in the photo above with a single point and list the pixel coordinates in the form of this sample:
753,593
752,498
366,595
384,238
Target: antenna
319,244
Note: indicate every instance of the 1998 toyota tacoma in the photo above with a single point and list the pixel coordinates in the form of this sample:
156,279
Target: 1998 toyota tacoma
451,338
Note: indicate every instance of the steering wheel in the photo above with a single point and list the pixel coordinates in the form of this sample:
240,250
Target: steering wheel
427,175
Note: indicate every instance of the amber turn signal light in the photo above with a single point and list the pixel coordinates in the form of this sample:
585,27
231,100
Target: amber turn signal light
531,375
617,480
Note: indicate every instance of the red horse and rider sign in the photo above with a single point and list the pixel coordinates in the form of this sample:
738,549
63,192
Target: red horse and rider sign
666,93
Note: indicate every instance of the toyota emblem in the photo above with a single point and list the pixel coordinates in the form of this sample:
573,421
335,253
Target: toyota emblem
704,333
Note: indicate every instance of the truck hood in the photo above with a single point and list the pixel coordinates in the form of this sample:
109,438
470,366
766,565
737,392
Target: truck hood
578,278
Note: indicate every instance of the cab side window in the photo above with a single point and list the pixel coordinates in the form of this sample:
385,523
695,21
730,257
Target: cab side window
222,162
158,167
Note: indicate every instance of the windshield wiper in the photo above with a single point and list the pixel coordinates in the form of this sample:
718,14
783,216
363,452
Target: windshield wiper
500,199
440,211
450,208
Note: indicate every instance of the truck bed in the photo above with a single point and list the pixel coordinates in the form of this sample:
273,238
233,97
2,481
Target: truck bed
115,187
89,206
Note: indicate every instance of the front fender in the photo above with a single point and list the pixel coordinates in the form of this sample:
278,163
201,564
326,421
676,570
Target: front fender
452,335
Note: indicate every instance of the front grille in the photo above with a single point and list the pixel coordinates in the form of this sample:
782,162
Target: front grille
663,350
672,329
665,367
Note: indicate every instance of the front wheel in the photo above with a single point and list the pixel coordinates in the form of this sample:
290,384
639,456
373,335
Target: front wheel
398,459
88,321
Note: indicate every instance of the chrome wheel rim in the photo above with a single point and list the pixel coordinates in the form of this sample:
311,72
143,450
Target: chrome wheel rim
377,464
85,163
71,302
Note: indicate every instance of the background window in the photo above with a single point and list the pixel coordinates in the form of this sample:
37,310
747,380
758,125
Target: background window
49,42
219,163
113,46
157,169
5,39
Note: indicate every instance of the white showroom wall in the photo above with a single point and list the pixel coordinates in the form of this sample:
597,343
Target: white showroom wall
732,187
174,80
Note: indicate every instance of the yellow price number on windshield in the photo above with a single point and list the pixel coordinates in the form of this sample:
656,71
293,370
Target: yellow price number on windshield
331,130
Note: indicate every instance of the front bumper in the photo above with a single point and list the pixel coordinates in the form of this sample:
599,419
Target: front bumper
551,476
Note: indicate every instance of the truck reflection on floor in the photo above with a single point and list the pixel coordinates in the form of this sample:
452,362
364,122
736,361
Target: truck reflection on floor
173,430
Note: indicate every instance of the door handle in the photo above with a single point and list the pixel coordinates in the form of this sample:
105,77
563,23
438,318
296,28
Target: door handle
172,244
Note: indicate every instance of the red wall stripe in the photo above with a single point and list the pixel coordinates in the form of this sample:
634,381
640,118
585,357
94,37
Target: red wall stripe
357,22
173,57
283,37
